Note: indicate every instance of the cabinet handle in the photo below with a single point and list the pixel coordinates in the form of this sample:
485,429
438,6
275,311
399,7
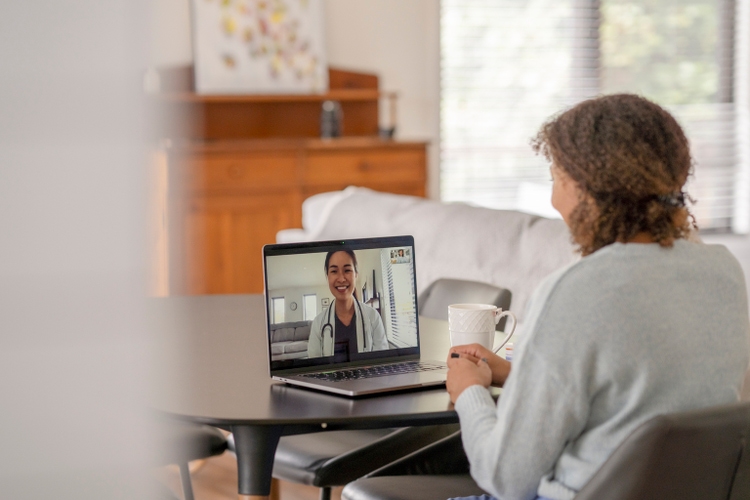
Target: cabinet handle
235,172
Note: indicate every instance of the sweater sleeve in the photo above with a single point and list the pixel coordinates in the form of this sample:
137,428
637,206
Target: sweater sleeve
512,446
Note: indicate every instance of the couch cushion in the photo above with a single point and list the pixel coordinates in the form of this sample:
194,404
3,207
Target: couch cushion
286,332
292,355
298,346
282,335
302,333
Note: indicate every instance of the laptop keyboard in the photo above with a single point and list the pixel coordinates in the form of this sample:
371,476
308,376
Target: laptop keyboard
375,371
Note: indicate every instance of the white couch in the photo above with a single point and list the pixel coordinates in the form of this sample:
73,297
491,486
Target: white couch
510,249
289,340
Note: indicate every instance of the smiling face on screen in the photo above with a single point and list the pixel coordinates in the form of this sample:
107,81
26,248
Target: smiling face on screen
342,275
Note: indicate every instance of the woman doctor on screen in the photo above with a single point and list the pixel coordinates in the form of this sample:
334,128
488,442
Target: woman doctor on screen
346,326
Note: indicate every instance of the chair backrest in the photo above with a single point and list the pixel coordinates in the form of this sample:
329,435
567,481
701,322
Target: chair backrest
701,454
434,301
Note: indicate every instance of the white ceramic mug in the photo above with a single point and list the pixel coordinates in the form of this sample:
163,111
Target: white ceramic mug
475,324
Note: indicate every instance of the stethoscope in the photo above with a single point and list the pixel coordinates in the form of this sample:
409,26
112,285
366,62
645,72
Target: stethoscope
330,326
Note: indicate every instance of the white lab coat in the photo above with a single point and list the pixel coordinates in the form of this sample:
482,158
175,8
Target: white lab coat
372,339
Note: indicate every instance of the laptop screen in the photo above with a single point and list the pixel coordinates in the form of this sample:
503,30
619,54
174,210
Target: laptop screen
340,302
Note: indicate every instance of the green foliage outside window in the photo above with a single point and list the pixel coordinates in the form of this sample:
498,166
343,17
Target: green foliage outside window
666,50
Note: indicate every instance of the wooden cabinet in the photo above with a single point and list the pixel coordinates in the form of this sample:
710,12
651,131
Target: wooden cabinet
240,172
225,202
395,167
240,166
229,198
401,169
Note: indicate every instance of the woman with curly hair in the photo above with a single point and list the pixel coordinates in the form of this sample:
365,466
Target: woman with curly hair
647,322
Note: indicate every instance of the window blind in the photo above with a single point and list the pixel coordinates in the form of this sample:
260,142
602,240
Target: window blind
508,65
398,303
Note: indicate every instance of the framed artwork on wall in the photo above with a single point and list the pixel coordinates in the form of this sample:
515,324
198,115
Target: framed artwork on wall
259,47
325,301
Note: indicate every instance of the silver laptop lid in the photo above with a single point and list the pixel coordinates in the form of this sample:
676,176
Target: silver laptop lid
376,277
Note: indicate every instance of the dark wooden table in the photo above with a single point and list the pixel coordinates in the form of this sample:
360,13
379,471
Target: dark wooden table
215,371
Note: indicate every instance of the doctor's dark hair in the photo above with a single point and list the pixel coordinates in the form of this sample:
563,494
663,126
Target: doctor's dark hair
348,251
630,159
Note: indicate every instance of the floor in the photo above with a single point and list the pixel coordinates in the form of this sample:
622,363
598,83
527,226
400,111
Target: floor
216,479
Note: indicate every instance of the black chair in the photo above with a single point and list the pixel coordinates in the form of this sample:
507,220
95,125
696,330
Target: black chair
435,299
701,455
183,442
338,457
440,470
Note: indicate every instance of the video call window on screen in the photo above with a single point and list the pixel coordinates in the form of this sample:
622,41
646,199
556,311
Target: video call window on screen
302,304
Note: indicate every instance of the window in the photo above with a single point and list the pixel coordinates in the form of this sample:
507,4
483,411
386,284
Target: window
508,65
277,310
309,306
397,303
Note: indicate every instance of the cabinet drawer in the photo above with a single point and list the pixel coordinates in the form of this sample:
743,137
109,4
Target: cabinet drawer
365,167
241,172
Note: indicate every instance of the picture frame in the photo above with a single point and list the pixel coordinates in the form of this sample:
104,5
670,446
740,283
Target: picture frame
325,301
259,47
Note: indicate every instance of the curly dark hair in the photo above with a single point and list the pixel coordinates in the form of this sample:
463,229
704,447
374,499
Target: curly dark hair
630,158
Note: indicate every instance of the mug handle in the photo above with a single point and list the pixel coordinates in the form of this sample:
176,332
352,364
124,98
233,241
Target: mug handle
499,314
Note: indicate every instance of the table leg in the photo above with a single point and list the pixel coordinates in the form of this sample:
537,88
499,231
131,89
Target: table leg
255,446
275,492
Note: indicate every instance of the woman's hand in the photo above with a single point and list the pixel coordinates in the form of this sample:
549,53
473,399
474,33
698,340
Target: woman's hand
499,367
463,373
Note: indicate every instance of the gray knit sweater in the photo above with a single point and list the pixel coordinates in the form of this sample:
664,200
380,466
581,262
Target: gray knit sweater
629,332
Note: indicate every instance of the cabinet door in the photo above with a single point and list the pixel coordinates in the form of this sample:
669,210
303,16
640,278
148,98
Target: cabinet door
224,238
396,170
227,207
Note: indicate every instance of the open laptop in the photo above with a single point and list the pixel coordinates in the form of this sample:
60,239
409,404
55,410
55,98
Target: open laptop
310,346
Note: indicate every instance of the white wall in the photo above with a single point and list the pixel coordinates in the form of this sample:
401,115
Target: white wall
170,33
367,262
397,39
296,295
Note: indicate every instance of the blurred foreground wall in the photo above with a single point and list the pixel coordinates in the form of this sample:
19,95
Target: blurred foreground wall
75,343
